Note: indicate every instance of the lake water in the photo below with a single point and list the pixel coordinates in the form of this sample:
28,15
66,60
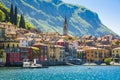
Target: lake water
62,73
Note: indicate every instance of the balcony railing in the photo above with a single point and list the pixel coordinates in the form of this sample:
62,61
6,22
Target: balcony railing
12,50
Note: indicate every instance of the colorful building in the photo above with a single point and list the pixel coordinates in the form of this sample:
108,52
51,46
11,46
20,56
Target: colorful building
116,54
81,54
57,53
96,55
43,50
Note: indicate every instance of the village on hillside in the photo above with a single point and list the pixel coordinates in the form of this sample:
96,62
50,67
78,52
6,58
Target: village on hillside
18,44
52,48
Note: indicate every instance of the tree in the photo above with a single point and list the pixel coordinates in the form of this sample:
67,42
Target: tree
107,61
22,22
1,53
15,16
7,17
11,14
2,16
117,43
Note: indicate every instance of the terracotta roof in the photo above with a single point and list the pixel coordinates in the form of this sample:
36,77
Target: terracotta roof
116,48
80,50
59,46
20,38
61,40
40,44
11,33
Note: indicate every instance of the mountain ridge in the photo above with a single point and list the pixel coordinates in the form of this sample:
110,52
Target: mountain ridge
48,15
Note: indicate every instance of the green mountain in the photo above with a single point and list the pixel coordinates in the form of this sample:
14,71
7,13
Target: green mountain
48,15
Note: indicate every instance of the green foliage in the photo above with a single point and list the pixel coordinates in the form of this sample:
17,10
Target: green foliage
117,43
107,61
15,16
1,53
5,16
29,26
4,9
36,53
81,20
2,16
22,22
11,14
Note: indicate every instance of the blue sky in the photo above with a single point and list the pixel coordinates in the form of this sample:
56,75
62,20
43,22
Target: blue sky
108,11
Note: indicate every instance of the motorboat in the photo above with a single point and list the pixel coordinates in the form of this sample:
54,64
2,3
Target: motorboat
30,64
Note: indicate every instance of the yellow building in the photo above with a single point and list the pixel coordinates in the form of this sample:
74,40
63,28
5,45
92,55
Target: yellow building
9,45
116,54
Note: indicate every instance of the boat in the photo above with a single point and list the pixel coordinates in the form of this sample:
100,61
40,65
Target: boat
114,63
30,64
90,64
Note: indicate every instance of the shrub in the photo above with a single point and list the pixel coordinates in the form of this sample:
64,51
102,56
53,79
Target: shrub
107,61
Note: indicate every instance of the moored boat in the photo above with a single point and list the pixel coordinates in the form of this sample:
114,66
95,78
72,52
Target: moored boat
29,64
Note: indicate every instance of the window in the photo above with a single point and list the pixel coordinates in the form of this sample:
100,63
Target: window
8,46
9,30
88,55
17,45
113,51
117,51
3,46
92,55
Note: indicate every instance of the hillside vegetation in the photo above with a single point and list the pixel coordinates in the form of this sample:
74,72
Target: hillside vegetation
48,16
5,15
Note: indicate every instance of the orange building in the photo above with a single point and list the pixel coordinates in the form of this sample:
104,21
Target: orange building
96,55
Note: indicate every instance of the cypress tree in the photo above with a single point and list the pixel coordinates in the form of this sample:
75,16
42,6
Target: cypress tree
7,17
22,22
11,14
15,16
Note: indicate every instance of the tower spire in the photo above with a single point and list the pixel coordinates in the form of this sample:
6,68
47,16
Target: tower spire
65,28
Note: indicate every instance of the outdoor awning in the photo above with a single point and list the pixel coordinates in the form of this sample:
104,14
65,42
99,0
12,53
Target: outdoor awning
35,48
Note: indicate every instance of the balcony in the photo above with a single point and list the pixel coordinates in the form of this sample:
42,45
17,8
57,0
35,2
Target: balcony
12,50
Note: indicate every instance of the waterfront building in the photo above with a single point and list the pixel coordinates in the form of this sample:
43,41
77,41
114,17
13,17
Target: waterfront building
43,50
96,55
59,53
13,59
72,51
116,54
26,53
81,54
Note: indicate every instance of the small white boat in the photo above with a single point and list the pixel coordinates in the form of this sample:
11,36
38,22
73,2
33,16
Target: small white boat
28,64
114,63
90,64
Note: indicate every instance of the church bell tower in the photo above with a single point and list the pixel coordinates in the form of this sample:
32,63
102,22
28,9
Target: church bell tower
65,28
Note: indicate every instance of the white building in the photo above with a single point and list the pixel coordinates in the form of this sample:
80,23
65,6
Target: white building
23,43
